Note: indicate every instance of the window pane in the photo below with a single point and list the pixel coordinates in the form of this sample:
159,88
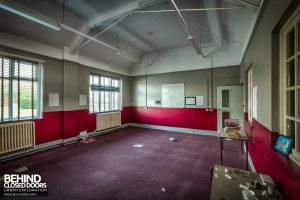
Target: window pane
115,83
91,99
25,99
1,60
117,98
298,74
6,100
290,72
96,101
35,98
290,129
290,100
298,30
25,70
0,88
298,136
0,98
102,100
20,100
112,103
96,80
290,43
298,103
15,107
6,63
107,101
107,81
107,94
225,98
91,79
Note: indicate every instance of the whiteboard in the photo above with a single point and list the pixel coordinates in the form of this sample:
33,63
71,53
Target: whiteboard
173,95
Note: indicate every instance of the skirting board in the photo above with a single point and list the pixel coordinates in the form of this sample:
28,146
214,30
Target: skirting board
52,144
176,129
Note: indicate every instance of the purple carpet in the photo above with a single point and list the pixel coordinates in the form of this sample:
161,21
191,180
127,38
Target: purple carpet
111,168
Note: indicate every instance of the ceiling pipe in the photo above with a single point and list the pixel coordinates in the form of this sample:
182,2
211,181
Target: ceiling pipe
187,30
118,51
187,10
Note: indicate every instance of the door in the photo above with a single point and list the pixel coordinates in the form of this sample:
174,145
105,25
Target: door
230,104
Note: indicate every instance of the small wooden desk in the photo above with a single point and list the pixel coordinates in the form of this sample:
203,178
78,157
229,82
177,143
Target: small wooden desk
224,188
243,138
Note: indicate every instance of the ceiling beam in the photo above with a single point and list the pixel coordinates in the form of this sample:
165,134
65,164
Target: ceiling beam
244,3
78,39
111,15
187,10
186,28
117,50
116,13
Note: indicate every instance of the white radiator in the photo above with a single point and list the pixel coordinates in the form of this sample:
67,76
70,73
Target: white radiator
16,136
108,120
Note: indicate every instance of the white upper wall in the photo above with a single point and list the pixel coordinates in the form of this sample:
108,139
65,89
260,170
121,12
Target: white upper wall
259,54
46,50
181,59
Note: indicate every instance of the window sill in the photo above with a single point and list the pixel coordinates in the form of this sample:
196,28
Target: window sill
250,122
295,156
112,111
21,120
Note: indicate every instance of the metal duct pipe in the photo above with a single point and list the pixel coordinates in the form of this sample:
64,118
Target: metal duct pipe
187,30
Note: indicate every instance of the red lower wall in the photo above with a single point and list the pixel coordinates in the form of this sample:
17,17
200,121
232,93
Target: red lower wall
63,125
268,161
195,118
67,124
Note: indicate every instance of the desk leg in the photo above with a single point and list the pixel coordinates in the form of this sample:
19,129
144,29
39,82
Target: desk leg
246,142
221,150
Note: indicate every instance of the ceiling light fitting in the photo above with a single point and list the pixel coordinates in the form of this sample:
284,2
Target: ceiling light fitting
28,14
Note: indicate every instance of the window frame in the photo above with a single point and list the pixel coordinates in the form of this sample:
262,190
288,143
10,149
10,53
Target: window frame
11,78
104,89
292,23
250,93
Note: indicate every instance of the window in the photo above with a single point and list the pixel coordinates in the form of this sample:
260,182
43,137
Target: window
19,89
105,94
290,83
250,93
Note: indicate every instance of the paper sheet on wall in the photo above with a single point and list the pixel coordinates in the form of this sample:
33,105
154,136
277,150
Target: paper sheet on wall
53,99
254,102
199,100
82,100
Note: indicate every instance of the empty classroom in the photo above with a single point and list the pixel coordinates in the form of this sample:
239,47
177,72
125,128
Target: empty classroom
150,99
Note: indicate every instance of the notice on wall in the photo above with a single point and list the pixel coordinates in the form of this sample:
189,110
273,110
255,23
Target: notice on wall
173,95
82,100
199,100
254,102
53,99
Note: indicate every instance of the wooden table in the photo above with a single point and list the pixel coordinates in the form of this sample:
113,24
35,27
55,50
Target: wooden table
223,188
243,138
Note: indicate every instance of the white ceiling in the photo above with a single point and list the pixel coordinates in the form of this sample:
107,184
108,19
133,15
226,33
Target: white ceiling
226,30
